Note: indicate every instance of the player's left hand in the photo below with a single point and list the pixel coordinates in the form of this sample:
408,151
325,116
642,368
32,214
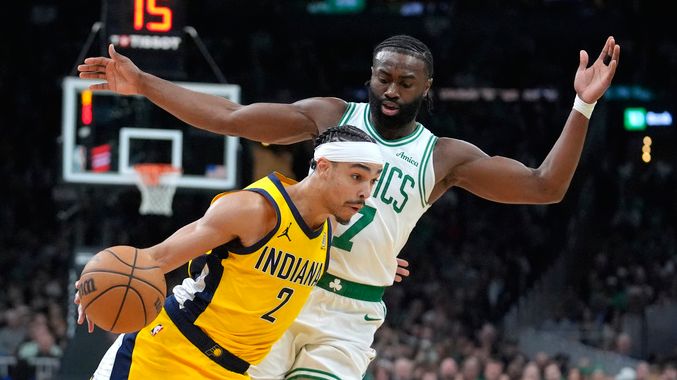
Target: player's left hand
402,270
81,313
592,82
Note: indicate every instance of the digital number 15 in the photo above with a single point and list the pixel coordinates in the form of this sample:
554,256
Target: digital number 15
165,13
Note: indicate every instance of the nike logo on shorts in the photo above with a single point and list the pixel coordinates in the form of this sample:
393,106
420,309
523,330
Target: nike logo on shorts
368,318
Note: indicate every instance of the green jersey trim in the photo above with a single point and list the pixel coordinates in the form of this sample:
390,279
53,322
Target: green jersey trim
350,109
350,289
309,373
398,142
427,153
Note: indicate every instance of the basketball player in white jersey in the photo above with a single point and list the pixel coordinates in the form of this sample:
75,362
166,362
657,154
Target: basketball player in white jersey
332,337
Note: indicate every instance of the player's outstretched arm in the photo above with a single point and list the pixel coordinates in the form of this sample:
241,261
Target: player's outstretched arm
244,215
266,122
505,180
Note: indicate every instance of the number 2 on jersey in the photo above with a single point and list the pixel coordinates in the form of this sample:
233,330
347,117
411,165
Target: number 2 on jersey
343,242
284,295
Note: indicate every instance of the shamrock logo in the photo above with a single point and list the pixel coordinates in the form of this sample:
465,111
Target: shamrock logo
336,285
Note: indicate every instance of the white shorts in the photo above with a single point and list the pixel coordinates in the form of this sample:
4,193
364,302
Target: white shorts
330,339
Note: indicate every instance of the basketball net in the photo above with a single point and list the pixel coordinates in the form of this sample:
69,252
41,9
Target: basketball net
157,184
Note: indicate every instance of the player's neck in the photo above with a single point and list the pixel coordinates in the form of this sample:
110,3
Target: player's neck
309,203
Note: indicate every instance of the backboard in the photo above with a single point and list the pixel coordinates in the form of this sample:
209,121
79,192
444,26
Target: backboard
105,134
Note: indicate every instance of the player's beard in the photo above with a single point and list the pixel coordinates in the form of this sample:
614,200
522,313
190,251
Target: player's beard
344,221
406,114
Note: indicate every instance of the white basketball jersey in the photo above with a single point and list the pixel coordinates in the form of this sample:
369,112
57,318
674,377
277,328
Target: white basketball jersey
364,251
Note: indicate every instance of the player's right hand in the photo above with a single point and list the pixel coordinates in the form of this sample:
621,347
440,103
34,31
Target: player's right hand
81,313
119,72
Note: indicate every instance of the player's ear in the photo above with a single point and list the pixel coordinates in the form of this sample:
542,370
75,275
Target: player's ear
428,84
322,166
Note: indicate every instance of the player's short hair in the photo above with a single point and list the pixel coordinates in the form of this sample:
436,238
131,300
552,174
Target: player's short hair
340,133
410,46
343,133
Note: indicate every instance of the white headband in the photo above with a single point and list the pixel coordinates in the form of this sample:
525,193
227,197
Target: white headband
350,151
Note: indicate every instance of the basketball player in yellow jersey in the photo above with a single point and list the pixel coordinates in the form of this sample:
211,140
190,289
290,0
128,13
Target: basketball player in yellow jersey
270,246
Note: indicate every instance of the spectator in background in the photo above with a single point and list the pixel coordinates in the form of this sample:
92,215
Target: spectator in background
623,344
471,368
42,344
552,372
626,373
643,371
531,372
403,369
382,370
57,322
448,369
487,339
493,369
542,360
574,373
516,366
14,332
598,374
428,374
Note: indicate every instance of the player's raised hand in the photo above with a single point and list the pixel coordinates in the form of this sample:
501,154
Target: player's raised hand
591,82
81,313
119,72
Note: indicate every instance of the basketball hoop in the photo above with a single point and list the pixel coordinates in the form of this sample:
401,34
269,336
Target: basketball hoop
157,183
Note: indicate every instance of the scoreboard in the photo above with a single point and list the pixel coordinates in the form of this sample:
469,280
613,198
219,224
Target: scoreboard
150,32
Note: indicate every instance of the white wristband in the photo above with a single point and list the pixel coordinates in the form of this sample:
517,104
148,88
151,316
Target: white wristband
583,107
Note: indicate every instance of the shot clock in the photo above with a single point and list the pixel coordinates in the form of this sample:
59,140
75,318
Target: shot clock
105,134
150,32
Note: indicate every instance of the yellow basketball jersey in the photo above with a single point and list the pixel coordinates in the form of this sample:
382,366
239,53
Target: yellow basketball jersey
248,296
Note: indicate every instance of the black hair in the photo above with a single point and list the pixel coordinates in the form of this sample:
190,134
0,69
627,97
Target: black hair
411,46
340,133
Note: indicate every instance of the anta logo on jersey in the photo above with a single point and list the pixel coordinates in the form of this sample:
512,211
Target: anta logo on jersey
288,266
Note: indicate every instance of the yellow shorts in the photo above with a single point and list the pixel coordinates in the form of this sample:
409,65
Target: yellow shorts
160,351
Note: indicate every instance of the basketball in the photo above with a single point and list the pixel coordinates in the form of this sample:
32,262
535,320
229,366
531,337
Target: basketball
122,291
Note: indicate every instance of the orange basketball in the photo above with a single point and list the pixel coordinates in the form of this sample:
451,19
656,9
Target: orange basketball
120,290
